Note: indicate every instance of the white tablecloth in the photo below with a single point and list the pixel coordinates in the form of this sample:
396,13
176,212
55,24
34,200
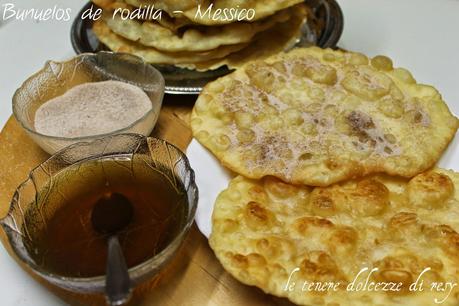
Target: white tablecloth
421,35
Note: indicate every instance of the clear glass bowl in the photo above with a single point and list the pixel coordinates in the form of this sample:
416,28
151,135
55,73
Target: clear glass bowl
58,77
144,154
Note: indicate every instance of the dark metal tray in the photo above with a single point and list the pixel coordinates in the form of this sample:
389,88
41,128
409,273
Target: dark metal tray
323,30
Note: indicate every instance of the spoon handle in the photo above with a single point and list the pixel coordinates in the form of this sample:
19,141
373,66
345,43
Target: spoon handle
117,282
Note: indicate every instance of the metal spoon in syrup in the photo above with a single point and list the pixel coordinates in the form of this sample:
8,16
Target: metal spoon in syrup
111,214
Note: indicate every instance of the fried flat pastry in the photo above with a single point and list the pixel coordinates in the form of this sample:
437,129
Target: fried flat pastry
192,39
316,117
154,56
171,23
174,24
287,34
169,6
318,246
196,10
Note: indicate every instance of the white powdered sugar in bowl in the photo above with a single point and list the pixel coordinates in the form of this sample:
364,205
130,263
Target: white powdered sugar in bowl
92,109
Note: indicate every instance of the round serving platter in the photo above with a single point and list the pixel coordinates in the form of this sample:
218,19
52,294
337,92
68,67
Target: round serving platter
323,30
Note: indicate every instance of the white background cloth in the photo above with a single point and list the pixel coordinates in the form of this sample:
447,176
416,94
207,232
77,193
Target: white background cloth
421,35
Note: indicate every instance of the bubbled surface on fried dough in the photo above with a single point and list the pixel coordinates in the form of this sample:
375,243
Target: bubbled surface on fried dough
316,117
264,229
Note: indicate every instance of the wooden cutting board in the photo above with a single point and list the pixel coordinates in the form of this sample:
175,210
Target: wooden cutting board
194,278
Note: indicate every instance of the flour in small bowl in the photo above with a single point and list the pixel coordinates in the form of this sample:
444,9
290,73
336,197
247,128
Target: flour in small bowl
92,109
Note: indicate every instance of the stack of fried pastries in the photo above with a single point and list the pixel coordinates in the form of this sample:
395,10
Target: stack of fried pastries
186,40
336,158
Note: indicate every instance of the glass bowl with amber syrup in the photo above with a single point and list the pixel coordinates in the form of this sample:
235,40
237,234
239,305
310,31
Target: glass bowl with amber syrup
49,222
